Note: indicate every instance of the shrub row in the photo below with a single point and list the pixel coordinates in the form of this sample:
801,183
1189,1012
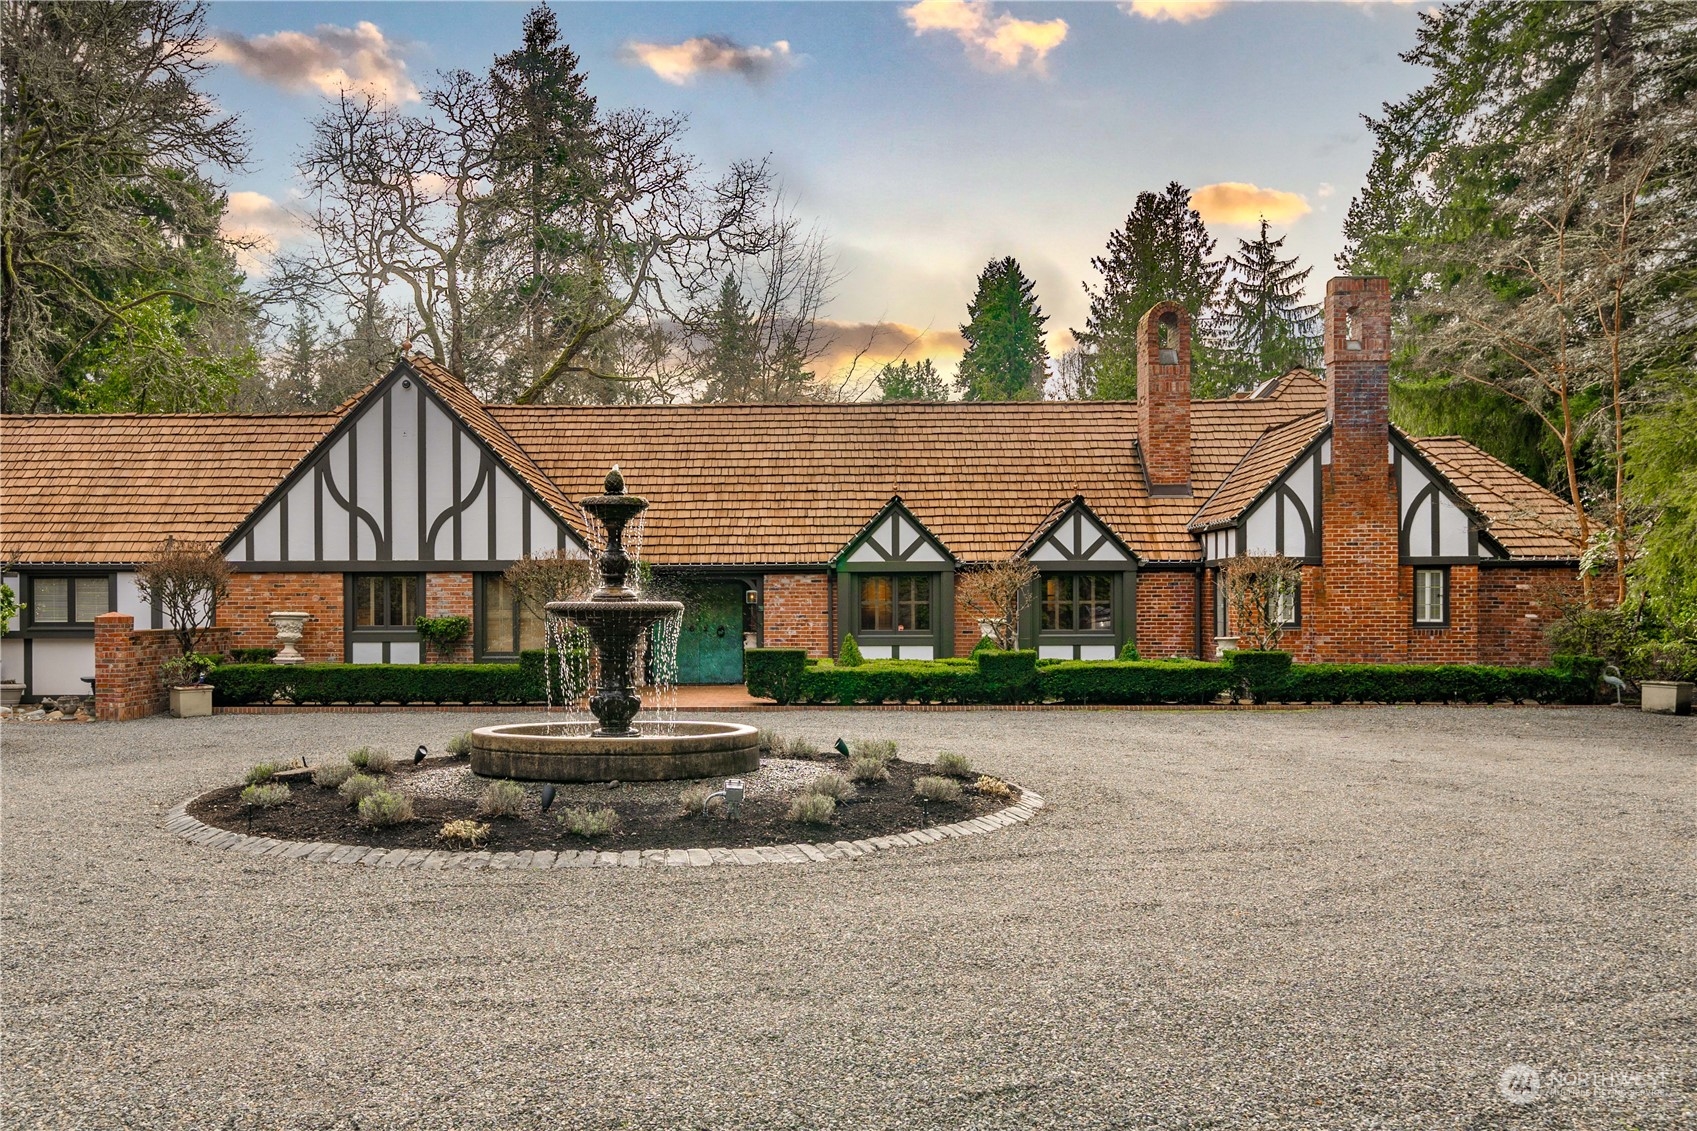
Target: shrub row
1015,677
240,684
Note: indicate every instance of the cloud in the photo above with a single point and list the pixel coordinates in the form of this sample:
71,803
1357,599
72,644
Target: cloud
679,63
1325,190
886,341
1178,11
329,60
1233,202
997,40
261,224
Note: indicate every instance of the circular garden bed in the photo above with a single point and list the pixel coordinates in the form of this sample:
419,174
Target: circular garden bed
440,805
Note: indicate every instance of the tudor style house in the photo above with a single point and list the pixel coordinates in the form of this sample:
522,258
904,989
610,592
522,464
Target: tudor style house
793,525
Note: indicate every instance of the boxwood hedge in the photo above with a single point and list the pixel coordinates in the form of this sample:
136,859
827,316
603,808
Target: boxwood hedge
241,684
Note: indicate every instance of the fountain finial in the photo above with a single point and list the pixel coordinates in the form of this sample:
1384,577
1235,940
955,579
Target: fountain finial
615,482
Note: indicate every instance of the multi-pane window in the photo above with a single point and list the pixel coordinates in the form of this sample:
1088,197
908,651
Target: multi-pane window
1078,602
509,627
1431,596
65,602
899,603
385,600
1285,605
1221,606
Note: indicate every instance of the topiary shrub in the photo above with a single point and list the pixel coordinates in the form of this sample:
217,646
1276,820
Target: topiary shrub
1008,677
848,656
265,796
813,809
442,633
383,809
1128,651
985,644
331,775
501,799
1260,675
932,788
774,673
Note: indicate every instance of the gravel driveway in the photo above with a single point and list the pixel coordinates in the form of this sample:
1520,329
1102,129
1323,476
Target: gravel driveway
1327,918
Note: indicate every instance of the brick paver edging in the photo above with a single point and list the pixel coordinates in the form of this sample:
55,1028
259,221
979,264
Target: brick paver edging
322,852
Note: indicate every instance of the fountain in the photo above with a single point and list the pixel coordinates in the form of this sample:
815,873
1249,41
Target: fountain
616,618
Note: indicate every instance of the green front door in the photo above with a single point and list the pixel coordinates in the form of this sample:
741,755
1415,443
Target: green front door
710,644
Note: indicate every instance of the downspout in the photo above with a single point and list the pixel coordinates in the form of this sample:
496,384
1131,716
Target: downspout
1200,569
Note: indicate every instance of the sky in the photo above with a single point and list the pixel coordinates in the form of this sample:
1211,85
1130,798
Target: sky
923,139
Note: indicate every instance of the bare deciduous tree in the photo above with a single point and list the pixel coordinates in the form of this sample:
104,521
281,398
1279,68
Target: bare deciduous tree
185,581
994,594
1261,591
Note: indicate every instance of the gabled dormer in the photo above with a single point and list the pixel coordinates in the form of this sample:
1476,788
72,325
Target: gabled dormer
1074,535
416,471
1083,606
894,537
895,588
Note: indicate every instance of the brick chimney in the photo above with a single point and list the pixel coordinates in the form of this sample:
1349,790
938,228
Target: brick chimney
1163,397
1362,615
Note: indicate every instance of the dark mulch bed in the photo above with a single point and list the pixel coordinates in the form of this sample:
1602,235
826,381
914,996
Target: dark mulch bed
649,815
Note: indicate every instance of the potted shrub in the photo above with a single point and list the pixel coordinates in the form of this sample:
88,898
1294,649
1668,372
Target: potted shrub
185,676
184,582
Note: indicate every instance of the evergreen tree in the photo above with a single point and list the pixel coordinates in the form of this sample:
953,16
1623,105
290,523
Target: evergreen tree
906,381
1163,252
1265,328
730,361
1006,358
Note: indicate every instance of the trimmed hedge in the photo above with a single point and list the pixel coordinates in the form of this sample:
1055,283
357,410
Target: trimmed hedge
241,684
774,673
1136,681
1007,677
1260,675
889,681
1572,680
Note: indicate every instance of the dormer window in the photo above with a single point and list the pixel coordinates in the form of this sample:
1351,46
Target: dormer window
1168,349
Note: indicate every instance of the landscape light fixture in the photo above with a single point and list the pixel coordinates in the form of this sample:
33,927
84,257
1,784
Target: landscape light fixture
419,754
548,792
842,748
733,796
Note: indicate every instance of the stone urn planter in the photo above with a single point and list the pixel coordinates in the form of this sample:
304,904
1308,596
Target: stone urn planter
290,628
193,702
1666,696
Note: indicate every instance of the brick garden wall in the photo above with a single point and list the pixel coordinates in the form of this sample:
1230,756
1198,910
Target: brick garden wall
254,596
1516,606
798,612
126,666
1166,614
449,595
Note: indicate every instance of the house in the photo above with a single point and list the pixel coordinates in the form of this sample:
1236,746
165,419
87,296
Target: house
792,525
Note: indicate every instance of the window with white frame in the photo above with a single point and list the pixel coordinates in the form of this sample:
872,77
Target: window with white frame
1285,606
1431,597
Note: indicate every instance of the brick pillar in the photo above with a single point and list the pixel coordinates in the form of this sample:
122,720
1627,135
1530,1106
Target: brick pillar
450,595
1163,396
1363,615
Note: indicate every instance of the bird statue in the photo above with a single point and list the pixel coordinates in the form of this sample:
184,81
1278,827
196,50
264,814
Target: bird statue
842,748
418,755
547,796
1614,681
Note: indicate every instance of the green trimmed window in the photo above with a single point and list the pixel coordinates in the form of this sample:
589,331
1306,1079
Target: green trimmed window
1078,602
895,603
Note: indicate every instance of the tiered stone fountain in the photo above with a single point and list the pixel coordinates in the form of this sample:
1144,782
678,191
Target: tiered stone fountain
616,617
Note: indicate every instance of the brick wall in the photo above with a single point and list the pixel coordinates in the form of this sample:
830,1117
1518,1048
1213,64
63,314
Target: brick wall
798,611
1163,397
254,596
1359,614
966,624
1166,615
1516,606
449,595
1458,642
126,666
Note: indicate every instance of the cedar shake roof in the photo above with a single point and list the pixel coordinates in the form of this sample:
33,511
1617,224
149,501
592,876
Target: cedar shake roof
105,489
730,484
1275,450
1525,519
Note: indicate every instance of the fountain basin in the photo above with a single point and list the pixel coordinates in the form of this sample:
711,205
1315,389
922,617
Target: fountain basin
539,752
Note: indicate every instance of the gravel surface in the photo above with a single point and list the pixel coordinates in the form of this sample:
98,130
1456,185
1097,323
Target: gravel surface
1331,918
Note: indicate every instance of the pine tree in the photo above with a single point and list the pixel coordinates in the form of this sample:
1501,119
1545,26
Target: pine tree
906,381
1264,326
1006,358
1163,253
729,363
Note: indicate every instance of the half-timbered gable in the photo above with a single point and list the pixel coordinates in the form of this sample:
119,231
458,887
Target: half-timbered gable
1437,526
896,587
1084,603
403,479
1271,502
